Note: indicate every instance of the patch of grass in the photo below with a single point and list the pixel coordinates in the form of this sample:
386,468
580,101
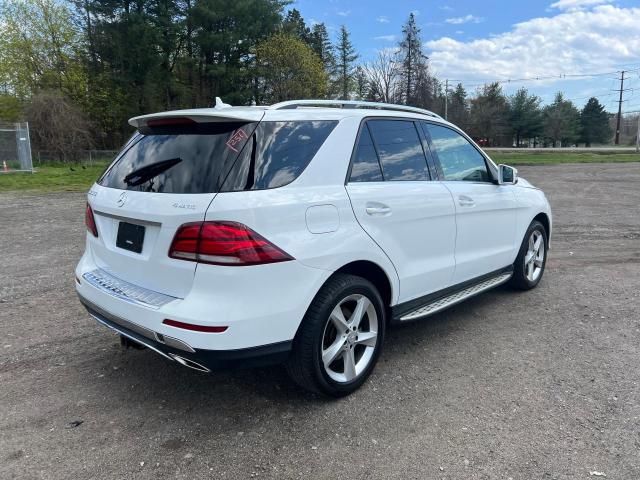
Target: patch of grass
52,178
529,158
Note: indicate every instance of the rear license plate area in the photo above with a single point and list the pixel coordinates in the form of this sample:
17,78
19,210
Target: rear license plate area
130,237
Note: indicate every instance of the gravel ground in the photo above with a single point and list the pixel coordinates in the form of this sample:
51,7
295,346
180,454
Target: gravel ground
537,385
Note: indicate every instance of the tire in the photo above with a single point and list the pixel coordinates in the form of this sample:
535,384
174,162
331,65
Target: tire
324,333
523,278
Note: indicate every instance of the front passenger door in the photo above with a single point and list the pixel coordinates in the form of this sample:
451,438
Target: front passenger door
485,212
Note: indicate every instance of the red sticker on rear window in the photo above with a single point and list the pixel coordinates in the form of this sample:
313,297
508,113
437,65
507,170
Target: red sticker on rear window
236,138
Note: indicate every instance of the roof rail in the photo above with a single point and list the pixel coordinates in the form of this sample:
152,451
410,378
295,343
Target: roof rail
292,104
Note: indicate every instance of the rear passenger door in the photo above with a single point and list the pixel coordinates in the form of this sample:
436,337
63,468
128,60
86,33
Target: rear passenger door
485,211
410,217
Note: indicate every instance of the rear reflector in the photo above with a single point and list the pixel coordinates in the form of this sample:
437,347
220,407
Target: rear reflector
195,328
224,243
90,221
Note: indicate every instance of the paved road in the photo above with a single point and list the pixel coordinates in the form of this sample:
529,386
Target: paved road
538,385
607,149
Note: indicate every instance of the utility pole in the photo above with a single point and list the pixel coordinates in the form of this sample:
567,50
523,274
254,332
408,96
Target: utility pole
638,136
446,97
619,109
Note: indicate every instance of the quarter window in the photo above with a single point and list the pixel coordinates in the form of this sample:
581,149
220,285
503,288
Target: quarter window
276,154
399,148
365,167
460,161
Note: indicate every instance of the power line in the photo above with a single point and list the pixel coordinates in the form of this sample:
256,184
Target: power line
558,76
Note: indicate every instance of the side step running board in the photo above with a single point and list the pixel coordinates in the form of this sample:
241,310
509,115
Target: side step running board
456,297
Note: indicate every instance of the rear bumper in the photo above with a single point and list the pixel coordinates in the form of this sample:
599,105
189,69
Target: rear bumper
176,350
260,306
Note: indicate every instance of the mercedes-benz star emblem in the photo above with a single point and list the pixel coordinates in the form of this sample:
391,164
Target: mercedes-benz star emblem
122,199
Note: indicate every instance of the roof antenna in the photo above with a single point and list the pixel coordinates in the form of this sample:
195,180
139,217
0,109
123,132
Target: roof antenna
220,104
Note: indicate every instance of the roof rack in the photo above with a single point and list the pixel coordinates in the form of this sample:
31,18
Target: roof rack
292,104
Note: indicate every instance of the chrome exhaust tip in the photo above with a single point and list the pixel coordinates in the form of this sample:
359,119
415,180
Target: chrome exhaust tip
190,363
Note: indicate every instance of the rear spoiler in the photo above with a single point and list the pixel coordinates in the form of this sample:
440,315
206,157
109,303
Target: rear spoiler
202,115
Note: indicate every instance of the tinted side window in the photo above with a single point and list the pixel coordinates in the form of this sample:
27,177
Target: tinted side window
400,150
459,159
276,154
365,167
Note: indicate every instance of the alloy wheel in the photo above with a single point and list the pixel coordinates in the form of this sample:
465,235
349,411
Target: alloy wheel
350,338
534,259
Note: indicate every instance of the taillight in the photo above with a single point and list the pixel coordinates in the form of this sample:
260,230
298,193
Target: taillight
224,243
90,221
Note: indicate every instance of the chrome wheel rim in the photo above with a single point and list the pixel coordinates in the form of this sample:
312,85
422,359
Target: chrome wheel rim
350,338
534,259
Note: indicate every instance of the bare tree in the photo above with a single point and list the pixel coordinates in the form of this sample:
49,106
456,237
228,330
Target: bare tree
58,125
384,77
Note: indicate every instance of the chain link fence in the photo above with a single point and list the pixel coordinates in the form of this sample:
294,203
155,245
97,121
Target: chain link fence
15,148
81,157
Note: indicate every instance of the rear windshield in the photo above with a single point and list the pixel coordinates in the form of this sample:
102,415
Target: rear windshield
208,158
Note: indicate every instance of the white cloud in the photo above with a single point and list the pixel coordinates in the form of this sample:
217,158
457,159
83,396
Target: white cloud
386,38
572,42
446,8
577,4
344,13
382,19
466,19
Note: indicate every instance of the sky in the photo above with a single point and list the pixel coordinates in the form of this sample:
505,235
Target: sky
475,42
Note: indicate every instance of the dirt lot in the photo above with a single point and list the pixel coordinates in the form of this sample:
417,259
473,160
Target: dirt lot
537,385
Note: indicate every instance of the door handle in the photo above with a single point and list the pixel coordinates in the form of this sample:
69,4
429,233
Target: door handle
465,201
374,208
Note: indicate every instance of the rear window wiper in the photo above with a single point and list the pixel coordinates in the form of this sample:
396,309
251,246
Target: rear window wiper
146,173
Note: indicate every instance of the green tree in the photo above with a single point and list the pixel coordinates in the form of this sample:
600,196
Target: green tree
321,45
525,116
10,108
594,123
458,108
226,35
289,70
362,83
561,121
413,60
346,56
490,114
39,49
295,26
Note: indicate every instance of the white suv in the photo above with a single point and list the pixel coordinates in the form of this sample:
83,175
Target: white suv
298,233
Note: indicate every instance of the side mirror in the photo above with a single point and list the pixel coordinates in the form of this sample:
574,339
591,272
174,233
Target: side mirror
507,175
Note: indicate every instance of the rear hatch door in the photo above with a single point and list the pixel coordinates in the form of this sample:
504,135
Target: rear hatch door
167,175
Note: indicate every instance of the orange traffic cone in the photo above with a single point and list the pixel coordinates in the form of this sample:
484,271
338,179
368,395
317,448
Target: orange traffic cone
5,168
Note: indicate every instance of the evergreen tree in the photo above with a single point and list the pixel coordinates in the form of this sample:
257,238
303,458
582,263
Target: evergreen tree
490,115
346,56
525,116
458,108
362,83
561,121
295,26
594,123
321,45
412,58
